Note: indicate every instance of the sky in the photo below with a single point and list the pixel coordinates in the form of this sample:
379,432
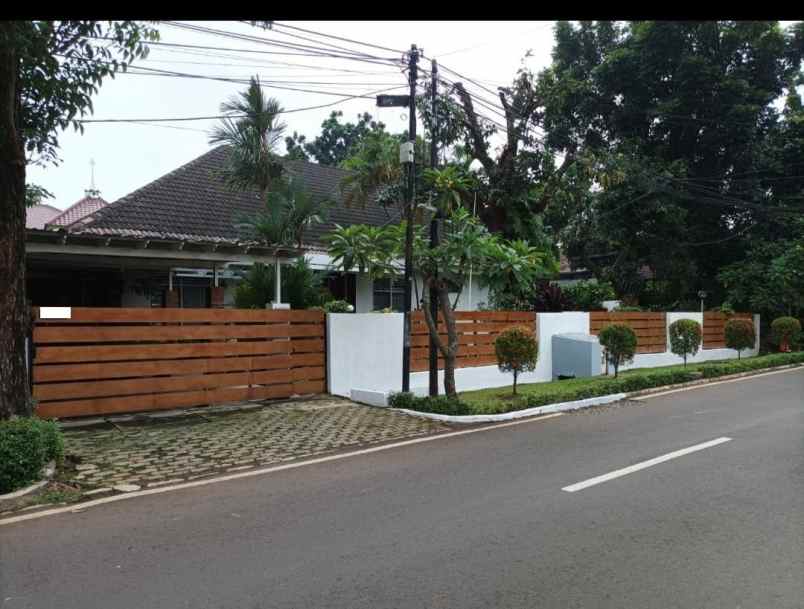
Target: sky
128,156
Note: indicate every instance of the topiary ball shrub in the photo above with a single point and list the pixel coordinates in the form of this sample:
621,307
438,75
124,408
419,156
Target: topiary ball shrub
740,335
685,338
26,445
785,330
517,350
620,343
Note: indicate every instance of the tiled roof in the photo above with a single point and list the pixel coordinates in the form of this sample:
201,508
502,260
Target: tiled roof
193,203
38,215
79,211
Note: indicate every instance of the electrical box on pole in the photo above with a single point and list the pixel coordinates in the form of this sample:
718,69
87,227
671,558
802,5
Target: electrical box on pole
406,152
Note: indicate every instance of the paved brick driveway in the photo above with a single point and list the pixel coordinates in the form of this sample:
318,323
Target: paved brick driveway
163,451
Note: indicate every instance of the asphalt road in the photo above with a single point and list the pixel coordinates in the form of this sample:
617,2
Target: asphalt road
478,520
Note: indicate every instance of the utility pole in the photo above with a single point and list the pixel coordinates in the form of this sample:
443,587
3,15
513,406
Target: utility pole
434,223
411,196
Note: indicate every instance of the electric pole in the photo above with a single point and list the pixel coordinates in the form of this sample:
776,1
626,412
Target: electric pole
411,196
434,223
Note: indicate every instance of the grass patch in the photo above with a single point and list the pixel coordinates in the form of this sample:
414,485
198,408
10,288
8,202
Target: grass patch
499,400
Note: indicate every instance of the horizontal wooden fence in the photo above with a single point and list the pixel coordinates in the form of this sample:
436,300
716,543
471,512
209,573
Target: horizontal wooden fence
477,331
714,325
650,328
105,360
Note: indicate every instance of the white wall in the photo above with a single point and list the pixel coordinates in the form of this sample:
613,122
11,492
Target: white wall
364,351
483,377
668,358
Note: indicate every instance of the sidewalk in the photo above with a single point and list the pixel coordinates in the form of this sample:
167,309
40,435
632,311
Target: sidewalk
164,451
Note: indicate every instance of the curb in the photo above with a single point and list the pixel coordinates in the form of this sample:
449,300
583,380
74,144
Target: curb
589,402
48,472
518,414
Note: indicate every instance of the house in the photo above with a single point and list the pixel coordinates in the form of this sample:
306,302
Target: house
174,242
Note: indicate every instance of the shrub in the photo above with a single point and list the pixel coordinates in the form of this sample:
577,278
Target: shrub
550,298
740,335
26,445
620,344
785,330
440,404
517,350
338,306
685,338
589,295
628,309
301,286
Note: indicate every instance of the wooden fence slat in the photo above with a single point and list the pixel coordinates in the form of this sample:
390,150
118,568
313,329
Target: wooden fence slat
175,358
101,315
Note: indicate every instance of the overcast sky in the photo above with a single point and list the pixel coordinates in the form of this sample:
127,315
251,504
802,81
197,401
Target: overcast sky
128,156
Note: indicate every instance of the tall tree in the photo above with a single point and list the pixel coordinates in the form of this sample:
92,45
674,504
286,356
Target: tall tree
337,141
676,118
49,71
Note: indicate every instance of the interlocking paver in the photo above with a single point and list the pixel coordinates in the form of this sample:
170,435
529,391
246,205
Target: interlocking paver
185,448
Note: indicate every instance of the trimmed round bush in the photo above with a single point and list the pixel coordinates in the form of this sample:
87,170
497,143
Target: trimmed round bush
517,350
620,343
685,338
784,330
26,445
740,335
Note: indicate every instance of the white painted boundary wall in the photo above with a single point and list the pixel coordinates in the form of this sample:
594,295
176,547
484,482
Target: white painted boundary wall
364,351
668,358
364,355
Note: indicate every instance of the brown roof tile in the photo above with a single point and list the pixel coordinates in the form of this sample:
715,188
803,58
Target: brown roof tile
193,203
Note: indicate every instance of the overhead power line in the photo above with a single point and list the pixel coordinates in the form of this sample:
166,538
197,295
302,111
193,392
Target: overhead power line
221,116
366,44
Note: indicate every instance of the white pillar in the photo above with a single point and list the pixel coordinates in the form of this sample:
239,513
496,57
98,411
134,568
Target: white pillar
277,302
278,283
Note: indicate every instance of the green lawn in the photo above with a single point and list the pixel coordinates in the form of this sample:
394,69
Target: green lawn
491,401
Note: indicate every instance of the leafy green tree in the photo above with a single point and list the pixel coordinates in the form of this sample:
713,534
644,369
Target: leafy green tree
770,279
619,342
681,126
252,133
685,338
465,244
517,351
785,330
740,335
49,71
337,141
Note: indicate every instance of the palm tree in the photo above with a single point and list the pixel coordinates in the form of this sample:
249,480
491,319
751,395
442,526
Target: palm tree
252,132
289,209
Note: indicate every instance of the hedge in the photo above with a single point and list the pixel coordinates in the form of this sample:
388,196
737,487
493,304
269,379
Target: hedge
26,445
597,386
440,404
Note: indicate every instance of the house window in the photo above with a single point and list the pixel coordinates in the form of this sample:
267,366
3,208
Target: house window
389,293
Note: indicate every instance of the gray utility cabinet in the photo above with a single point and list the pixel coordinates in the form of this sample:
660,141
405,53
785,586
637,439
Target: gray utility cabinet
575,355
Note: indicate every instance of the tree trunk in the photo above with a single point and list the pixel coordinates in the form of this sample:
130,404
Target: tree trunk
450,350
452,340
515,375
14,313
